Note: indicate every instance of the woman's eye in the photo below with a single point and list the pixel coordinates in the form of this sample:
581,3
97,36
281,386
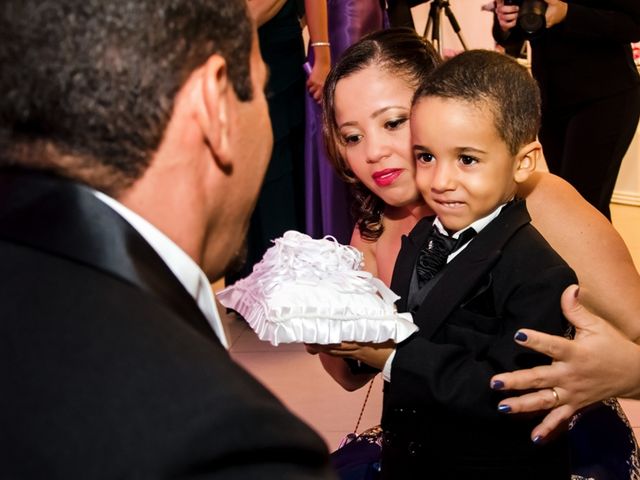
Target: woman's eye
423,157
351,139
393,124
467,160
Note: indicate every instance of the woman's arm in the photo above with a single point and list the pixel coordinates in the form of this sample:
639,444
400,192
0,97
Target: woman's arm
339,369
264,10
318,24
368,249
335,366
601,362
609,281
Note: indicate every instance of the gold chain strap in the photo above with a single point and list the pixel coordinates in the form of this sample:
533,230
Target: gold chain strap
355,430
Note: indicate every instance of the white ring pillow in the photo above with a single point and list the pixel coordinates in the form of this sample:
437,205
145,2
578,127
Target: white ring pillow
315,291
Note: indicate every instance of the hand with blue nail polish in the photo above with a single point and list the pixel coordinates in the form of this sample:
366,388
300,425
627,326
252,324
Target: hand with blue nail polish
520,336
599,363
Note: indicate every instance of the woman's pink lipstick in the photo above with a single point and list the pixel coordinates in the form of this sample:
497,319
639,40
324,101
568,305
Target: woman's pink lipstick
386,177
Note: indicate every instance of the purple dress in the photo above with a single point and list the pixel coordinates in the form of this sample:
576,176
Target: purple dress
328,201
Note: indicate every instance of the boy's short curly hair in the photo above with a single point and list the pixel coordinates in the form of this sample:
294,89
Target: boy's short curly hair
494,80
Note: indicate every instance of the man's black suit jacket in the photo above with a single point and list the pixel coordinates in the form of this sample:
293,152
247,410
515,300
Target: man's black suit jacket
109,369
439,411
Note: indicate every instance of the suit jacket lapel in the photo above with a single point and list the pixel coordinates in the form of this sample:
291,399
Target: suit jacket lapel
462,274
458,279
403,269
65,219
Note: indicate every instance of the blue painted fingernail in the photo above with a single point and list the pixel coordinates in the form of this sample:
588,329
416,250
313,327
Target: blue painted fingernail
497,385
504,408
520,336
537,439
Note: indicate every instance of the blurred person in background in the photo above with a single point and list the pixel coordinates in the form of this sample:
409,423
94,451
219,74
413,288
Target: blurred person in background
582,59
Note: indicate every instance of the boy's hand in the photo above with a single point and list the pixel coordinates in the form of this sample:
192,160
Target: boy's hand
373,354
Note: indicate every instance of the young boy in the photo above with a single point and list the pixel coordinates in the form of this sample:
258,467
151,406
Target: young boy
474,124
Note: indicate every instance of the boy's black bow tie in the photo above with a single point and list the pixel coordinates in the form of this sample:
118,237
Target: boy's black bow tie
433,256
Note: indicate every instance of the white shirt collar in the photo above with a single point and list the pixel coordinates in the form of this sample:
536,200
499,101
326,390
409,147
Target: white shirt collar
182,265
478,226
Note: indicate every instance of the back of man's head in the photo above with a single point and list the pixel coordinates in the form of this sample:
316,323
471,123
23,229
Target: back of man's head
88,86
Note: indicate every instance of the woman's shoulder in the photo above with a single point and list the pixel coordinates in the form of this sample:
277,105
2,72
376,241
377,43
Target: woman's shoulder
368,249
421,225
380,254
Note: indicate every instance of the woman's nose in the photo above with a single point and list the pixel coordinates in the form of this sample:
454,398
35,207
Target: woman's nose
376,149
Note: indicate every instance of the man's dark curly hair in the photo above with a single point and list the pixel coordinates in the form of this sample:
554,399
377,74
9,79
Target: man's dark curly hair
88,86
399,51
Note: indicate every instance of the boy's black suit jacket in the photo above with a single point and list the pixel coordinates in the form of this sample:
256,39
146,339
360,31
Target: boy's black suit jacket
108,369
438,405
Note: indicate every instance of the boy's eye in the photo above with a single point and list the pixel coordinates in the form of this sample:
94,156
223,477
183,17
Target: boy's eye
467,160
351,139
424,157
393,124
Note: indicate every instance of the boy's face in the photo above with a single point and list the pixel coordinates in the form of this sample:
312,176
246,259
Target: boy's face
464,170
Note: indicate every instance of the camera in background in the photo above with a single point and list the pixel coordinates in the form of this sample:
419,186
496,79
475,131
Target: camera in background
531,14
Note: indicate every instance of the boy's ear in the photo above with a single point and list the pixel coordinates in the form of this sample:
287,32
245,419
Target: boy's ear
526,160
212,111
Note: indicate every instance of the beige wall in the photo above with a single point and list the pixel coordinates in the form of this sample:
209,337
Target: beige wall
627,189
475,24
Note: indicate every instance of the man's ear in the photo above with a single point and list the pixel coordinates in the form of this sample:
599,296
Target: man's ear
213,108
526,160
